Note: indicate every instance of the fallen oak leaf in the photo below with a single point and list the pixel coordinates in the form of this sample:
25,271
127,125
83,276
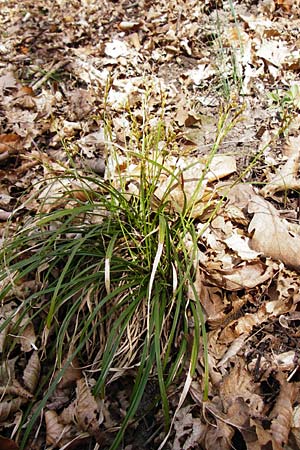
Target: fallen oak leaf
271,235
240,245
10,407
282,413
286,178
25,98
189,429
244,276
9,143
56,432
88,413
32,372
15,389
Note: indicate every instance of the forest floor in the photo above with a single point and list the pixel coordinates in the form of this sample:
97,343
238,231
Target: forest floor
71,70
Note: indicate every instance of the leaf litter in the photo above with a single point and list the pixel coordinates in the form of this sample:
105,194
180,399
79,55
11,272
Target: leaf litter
57,61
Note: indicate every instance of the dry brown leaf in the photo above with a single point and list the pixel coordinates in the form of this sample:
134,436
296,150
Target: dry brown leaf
264,438
295,430
246,323
240,195
68,414
71,375
116,48
24,98
282,413
32,372
189,430
286,178
134,40
238,416
202,72
285,4
233,349
218,437
8,408
10,143
220,166
286,361
87,411
273,51
6,311
240,245
239,383
246,275
271,235
56,432
190,184
7,371
15,388
288,286
27,336
8,81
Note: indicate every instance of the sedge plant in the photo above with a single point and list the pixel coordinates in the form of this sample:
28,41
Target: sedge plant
113,278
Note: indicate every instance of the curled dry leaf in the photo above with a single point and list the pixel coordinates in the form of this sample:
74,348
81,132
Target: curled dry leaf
219,436
32,372
68,414
282,412
240,245
56,432
189,430
24,98
295,431
7,371
244,276
9,408
71,375
15,388
10,143
233,349
27,336
271,235
87,412
239,383
191,183
246,323
286,178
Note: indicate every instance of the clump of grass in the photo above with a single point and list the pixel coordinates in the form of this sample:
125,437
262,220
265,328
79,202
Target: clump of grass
230,50
115,276
287,104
